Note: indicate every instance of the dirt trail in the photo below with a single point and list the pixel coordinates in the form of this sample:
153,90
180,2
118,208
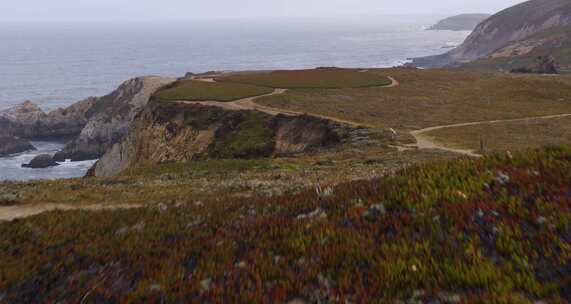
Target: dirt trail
394,82
250,104
9,213
423,141
427,142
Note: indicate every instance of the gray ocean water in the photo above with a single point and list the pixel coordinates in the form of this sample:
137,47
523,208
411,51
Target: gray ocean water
55,65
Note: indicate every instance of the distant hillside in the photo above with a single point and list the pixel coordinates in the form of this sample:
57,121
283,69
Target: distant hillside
513,24
464,22
524,54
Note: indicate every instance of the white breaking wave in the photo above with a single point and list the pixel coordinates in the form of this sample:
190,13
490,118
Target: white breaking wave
11,167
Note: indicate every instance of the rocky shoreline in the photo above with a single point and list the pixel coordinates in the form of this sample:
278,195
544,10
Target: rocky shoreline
12,145
110,117
92,125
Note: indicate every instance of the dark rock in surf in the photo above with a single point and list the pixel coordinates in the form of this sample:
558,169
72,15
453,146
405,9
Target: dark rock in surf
41,162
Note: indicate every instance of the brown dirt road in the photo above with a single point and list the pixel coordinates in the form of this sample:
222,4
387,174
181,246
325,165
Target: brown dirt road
425,141
9,213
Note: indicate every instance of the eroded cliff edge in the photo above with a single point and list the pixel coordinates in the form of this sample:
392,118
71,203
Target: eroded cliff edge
109,118
177,132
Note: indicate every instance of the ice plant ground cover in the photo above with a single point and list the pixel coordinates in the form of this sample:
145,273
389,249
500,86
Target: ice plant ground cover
479,231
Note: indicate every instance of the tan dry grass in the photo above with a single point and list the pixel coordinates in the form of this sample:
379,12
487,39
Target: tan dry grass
512,136
428,98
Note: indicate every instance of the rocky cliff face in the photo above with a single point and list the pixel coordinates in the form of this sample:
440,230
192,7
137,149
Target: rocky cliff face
511,25
95,123
29,121
109,118
11,145
172,132
464,22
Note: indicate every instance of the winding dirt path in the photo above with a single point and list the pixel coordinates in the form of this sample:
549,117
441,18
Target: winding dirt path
10,213
250,104
423,141
394,82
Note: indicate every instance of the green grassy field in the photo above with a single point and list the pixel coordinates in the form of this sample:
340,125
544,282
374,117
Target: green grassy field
194,90
310,79
495,230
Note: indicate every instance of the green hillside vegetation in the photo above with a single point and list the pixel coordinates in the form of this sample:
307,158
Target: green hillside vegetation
323,78
495,230
195,90
252,137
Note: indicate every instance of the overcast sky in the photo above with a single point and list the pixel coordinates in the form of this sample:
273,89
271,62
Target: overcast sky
148,10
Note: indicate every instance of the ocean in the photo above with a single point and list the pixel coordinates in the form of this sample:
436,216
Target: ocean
55,65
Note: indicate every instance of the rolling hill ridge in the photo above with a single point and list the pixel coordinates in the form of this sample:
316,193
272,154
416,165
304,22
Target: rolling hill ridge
514,24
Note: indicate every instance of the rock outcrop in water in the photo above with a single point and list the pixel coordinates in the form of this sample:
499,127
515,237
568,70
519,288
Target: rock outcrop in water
41,162
174,132
109,118
464,22
511,25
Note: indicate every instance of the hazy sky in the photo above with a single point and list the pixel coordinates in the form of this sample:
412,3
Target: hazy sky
142,10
